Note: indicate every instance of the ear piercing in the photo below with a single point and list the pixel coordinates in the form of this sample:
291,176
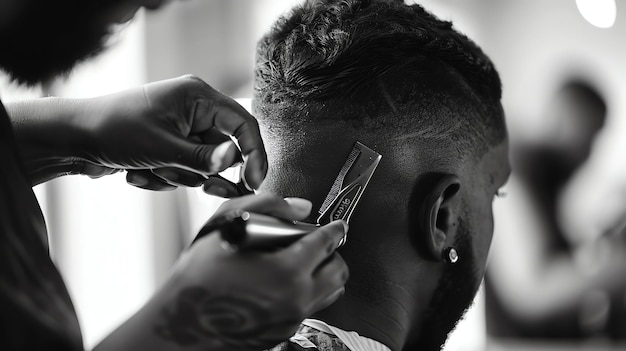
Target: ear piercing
450,255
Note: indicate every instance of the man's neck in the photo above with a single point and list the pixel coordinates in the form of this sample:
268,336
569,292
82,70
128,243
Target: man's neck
386,320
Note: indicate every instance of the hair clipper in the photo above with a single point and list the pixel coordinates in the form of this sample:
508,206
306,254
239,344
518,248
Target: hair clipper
245,230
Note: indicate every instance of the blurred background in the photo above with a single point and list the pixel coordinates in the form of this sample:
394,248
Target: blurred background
557,279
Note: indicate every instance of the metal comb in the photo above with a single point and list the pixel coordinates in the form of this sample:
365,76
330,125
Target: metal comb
245,230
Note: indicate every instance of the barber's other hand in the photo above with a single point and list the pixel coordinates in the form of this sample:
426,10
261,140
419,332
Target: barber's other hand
253,301
173,132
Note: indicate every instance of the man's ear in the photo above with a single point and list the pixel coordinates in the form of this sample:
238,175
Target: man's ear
438,214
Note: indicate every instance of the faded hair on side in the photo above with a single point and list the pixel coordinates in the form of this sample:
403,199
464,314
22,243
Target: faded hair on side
363,59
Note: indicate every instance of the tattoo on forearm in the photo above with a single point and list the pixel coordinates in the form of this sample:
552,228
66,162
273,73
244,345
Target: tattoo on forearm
199,316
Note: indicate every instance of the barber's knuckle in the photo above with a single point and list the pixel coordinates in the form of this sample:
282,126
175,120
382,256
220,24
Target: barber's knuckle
192,78
296,278
297,249
243,128
268,196
200,153
328,240
196,84
300,282
250,124
285,268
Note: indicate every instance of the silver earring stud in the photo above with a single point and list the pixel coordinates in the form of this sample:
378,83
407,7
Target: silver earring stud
450,255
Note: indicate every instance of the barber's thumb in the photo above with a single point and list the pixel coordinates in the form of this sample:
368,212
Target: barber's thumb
330,299
209,159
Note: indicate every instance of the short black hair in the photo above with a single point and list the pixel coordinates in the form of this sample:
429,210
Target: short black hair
47,38
369,57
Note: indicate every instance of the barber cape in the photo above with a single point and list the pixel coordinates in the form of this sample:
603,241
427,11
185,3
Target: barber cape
314,335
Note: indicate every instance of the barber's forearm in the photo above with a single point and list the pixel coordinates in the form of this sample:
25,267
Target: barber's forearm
151,329
47,136
139,333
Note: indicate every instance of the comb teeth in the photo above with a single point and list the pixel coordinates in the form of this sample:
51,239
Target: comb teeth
338,184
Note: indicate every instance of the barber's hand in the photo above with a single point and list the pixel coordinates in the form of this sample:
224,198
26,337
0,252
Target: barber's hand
253,300
173,132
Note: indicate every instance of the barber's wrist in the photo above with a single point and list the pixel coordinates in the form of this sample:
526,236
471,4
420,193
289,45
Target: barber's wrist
48,136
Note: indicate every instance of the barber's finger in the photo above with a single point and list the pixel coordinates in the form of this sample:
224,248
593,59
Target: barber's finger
215,109
179,177
301,208
236,121
330,276
217,185
215,137
329,300
211,136
317,246
289,208
89,169
95,171
270,204
205,158
145,179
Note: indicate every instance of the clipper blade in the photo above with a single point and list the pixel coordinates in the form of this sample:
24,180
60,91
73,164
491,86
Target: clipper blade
349,185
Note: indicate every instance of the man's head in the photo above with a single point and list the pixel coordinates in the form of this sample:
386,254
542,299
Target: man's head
42,38
409,86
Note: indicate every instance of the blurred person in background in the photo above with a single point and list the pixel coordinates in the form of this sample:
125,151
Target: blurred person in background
541,283
164,134
426,97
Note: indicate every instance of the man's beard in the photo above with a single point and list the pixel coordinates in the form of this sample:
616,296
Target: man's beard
454,294
49,37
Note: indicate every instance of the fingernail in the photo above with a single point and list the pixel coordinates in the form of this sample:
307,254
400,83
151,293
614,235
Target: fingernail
302,206
222,154
254,169
344,236
138,180
166,173
214,189
345,225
